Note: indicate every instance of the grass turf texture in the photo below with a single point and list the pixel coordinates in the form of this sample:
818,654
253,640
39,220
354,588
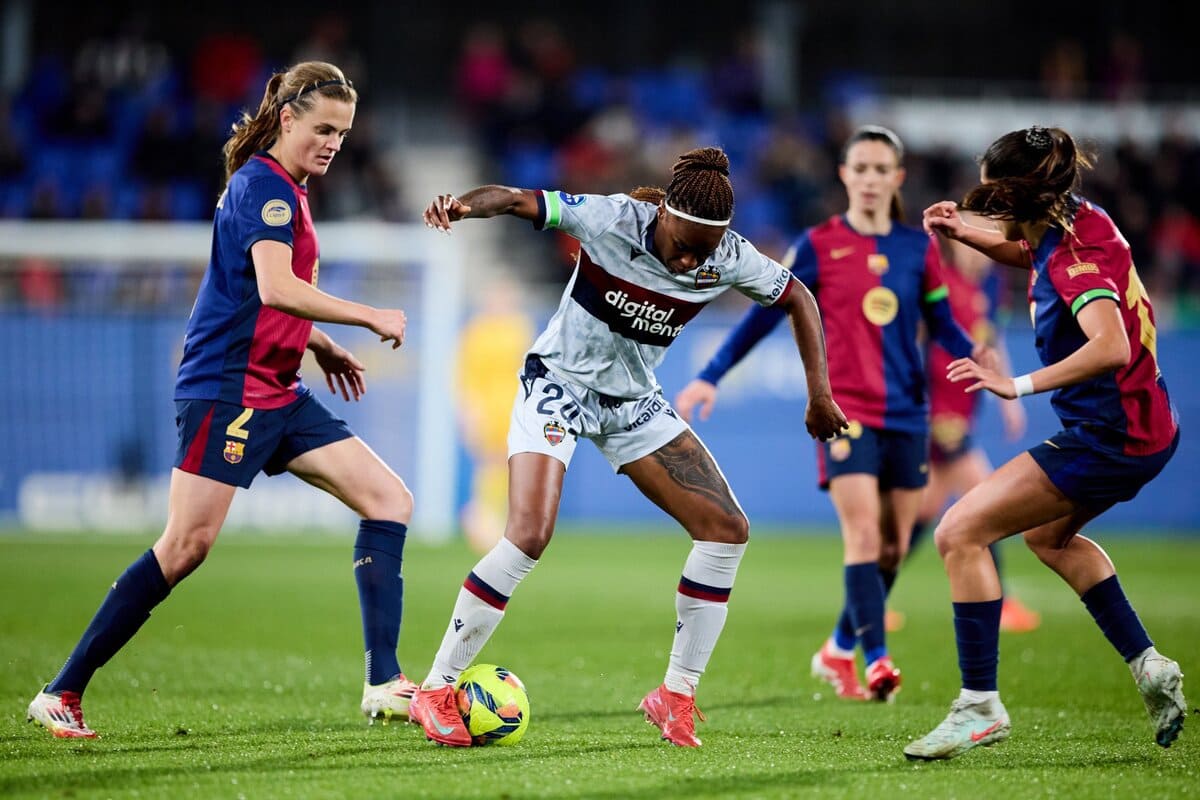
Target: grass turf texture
246,681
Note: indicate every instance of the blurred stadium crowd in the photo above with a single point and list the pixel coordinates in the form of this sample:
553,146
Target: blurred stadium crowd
126,128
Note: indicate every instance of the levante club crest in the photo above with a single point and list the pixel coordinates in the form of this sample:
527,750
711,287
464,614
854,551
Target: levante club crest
554,432
707,276
234,451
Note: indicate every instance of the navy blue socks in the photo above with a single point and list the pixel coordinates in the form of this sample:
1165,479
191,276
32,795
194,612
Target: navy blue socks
378,557
126,608
977,632
1107,604
863,613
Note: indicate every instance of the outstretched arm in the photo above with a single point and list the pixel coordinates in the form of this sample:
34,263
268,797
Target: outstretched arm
279,288
944,218
484,202
823,418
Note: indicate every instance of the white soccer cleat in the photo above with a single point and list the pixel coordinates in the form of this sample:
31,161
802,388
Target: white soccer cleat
388,701
967,725
60,714
1161,684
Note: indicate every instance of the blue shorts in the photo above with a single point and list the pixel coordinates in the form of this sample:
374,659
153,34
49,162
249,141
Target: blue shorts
898,459
231,444
1093,476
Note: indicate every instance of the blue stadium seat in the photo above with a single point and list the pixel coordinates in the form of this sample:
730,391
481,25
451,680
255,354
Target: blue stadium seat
530,165
675,96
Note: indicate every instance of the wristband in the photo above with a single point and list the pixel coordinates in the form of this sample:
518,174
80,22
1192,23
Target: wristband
1023,384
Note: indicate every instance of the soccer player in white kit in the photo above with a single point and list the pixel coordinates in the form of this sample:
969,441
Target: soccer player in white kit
645,269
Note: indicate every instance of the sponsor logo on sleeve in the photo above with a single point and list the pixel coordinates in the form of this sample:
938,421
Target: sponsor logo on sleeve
1082,268
276,213
572,199
782,279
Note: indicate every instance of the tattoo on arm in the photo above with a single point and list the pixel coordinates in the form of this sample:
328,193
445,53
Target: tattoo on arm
692,468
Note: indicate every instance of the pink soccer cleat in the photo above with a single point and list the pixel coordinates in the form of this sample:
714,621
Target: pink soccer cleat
672,713
436,710
839,672
883,679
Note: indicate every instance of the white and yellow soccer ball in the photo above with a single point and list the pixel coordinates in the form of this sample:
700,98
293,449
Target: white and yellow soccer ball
493,704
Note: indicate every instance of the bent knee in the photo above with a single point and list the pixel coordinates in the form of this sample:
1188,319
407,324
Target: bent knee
179,552
530,531
389,501
726,529
1044,547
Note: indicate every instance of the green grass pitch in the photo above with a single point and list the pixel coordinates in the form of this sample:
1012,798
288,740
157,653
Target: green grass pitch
246,681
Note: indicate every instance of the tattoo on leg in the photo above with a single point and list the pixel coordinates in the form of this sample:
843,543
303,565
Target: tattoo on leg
690,466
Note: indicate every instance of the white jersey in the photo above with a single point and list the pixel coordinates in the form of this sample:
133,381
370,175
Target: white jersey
623,307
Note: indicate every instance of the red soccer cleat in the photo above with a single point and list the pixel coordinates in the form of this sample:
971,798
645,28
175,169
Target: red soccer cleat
672,713
883,679
436,710
839,672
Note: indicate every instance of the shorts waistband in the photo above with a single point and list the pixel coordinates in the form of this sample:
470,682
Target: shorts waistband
534,368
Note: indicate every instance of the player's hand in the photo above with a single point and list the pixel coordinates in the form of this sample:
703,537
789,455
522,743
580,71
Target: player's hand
964,369
943,218
823,419
340,366
444,209
389,324
697,393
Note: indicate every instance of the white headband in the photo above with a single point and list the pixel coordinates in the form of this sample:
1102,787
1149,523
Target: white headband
699,220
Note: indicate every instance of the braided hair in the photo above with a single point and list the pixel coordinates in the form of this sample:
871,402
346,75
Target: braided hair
700,184
1031,176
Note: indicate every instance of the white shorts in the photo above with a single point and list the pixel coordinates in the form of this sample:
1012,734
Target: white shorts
550,415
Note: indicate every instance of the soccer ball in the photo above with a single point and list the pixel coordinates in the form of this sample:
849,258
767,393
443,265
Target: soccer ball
493,704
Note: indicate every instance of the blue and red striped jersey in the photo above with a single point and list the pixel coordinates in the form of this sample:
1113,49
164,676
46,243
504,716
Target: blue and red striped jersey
872,291
1128,409
236,349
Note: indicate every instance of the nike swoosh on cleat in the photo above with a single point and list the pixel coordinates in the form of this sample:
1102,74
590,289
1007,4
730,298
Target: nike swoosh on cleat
977,735
447,730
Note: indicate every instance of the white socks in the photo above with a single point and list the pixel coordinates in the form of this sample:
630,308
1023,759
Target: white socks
478,610
701,606
975,696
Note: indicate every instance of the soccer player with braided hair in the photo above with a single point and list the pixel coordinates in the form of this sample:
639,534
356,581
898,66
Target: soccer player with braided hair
645,268
1095,336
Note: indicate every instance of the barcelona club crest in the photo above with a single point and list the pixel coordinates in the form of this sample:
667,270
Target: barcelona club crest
707,276
234,451
554,432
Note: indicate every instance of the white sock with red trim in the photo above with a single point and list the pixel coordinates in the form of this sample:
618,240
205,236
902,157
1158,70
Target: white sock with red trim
701,605
478,610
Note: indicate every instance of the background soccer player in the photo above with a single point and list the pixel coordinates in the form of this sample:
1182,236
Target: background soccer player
1095,334
644,270
241,404
875,280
